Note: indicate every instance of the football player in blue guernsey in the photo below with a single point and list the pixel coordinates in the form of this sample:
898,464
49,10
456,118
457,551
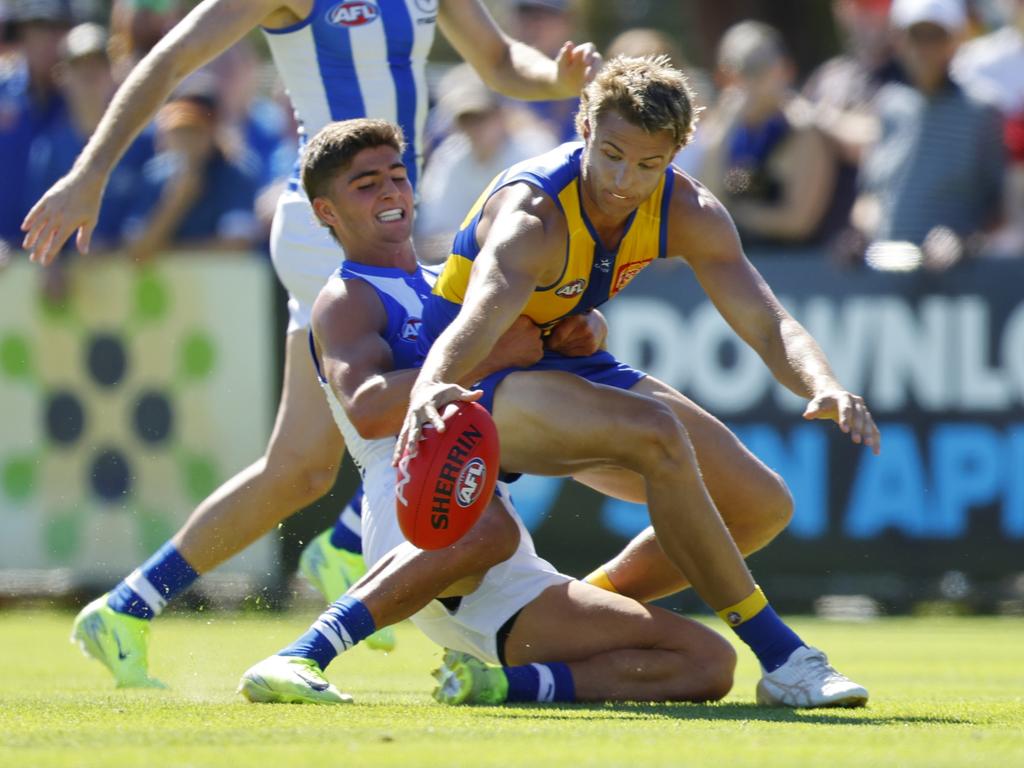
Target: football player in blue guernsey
338,59
564,232
547,636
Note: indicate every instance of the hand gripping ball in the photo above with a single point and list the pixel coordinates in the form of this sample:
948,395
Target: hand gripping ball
448,478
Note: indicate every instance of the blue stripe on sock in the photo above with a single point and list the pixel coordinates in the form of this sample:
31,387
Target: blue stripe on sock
123,599
565,686
348,614
769,638
343,537
168,572
524,682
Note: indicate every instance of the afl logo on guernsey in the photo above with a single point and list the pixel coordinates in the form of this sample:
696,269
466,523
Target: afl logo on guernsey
411,329
470,482
427,6
353,14
575,288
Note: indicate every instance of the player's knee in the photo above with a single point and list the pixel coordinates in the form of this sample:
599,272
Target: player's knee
720,669
779,506
493,540
716,667
657,439
300,479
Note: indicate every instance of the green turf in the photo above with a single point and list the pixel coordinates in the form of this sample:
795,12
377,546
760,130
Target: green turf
945,692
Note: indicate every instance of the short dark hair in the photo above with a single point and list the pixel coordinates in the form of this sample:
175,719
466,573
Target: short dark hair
334,147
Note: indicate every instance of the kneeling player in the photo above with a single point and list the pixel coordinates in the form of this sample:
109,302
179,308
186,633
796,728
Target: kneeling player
556,639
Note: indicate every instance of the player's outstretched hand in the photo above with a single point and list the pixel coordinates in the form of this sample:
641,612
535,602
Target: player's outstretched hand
72,203
577,66
579,335
850,413
426,403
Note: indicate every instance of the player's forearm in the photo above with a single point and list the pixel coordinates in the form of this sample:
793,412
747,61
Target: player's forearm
528,74
378,407
133,106
798,363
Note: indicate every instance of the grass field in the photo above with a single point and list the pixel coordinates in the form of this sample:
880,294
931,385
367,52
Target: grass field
946,692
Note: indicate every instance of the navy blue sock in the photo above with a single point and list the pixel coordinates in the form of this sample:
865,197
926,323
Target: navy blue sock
540,682
348,531
769,638
341,626
147,589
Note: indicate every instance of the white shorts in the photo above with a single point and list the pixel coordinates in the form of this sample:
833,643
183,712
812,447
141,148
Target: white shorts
505,590
303,253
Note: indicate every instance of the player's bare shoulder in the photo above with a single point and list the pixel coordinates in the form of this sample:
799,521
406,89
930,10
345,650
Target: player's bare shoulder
285,13
699,225
521,200
346,308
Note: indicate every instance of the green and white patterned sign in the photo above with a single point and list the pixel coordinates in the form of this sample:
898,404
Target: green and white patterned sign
123,406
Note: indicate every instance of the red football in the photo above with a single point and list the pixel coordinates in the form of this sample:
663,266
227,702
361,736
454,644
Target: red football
446,483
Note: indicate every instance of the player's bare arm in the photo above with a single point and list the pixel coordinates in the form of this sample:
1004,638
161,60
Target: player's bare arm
509,66
212,27
522,236
702,232
348,323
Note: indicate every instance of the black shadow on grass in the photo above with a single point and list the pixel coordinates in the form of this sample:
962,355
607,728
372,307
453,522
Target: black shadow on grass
719,712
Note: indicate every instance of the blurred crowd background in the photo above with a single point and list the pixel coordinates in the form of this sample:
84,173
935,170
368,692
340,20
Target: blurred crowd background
840,126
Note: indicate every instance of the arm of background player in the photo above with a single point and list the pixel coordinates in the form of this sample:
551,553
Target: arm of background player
523,247
73,202
509,66
702,229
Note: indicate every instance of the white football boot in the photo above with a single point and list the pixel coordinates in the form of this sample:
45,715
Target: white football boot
807,680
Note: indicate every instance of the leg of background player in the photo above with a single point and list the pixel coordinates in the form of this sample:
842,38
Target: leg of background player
299,466
578,643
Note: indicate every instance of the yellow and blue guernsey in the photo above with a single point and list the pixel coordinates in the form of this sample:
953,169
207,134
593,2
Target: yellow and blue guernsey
591,275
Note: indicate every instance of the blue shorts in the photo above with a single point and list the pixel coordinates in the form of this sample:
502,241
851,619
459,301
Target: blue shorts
599,368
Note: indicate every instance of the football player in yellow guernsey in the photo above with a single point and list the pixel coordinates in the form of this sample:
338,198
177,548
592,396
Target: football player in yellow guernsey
562,233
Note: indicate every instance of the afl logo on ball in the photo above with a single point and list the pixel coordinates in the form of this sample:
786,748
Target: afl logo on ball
353,14
575,288
470,482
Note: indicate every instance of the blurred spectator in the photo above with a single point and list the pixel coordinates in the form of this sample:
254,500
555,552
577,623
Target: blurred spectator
483,145
644,41
135,27
194,196
546,25
935,176
249,117
765,157
29,101
843,89
993,66
87,84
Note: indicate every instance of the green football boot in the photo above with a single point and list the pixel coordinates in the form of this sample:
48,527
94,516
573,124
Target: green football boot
464,679
118,641
332,571
289,680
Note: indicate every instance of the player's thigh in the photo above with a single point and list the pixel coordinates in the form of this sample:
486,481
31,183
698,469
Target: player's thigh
737,480
304,433
556,423
575,621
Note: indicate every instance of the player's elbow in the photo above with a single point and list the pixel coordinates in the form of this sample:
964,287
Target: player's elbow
371,424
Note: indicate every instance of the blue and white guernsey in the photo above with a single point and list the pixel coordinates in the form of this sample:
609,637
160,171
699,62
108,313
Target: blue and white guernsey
402,295
359,58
